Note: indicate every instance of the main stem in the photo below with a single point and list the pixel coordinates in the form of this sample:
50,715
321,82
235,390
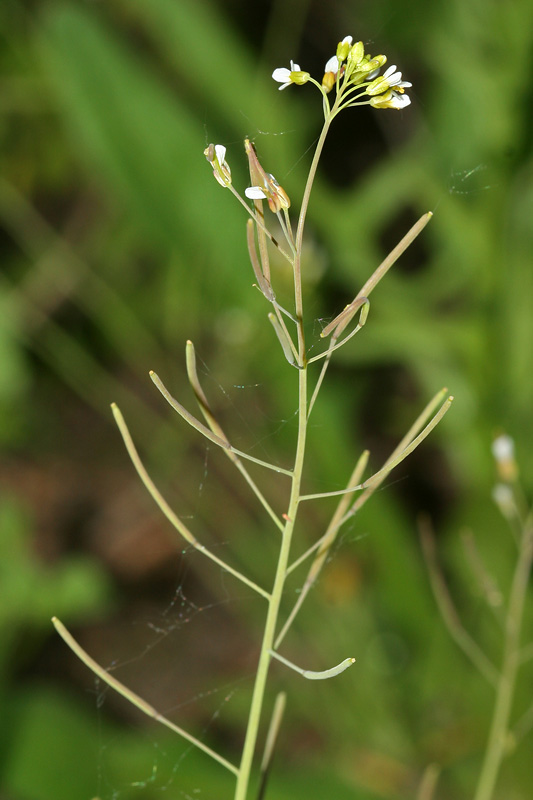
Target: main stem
511,661
250,740
275,600
298,304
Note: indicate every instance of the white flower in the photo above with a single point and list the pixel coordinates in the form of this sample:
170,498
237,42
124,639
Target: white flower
399,100
255,192
332,65
390,99
503,452
504,499
395,78
503,448
275,194
284,75
216,155
388,90
220,151
389,80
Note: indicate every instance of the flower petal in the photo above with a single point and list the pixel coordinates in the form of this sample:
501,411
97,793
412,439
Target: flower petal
332,65
282,74
255,193
399,101
220,150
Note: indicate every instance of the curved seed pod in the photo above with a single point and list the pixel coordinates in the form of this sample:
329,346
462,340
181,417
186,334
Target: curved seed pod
310,674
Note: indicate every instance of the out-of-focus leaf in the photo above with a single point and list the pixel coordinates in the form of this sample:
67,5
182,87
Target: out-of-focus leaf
212,60
31,591
13,369
142,140
53,751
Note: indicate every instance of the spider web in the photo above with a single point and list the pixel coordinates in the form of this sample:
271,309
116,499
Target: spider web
163,666
470,181
182,653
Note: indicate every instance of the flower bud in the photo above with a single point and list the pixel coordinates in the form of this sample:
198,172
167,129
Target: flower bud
356,55
377,86
343,48
328,81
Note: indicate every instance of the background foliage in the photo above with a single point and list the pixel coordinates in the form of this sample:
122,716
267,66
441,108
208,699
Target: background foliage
117,246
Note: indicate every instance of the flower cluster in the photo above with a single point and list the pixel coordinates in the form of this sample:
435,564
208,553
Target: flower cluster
357,79
356,76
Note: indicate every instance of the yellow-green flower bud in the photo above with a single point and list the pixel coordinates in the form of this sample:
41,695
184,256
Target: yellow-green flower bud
356,55
366,67
328,81
300,77
343,48
379,60
377,86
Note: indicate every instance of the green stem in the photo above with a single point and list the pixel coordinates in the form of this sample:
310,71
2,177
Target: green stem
267,645
275,601
511,661
303,214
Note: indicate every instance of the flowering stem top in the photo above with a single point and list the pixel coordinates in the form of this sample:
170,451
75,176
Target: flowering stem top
355,76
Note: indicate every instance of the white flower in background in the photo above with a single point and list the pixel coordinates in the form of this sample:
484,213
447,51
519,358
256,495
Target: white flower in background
503,448
502,494
503,452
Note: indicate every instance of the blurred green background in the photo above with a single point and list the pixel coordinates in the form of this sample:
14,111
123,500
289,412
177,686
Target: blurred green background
117,245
